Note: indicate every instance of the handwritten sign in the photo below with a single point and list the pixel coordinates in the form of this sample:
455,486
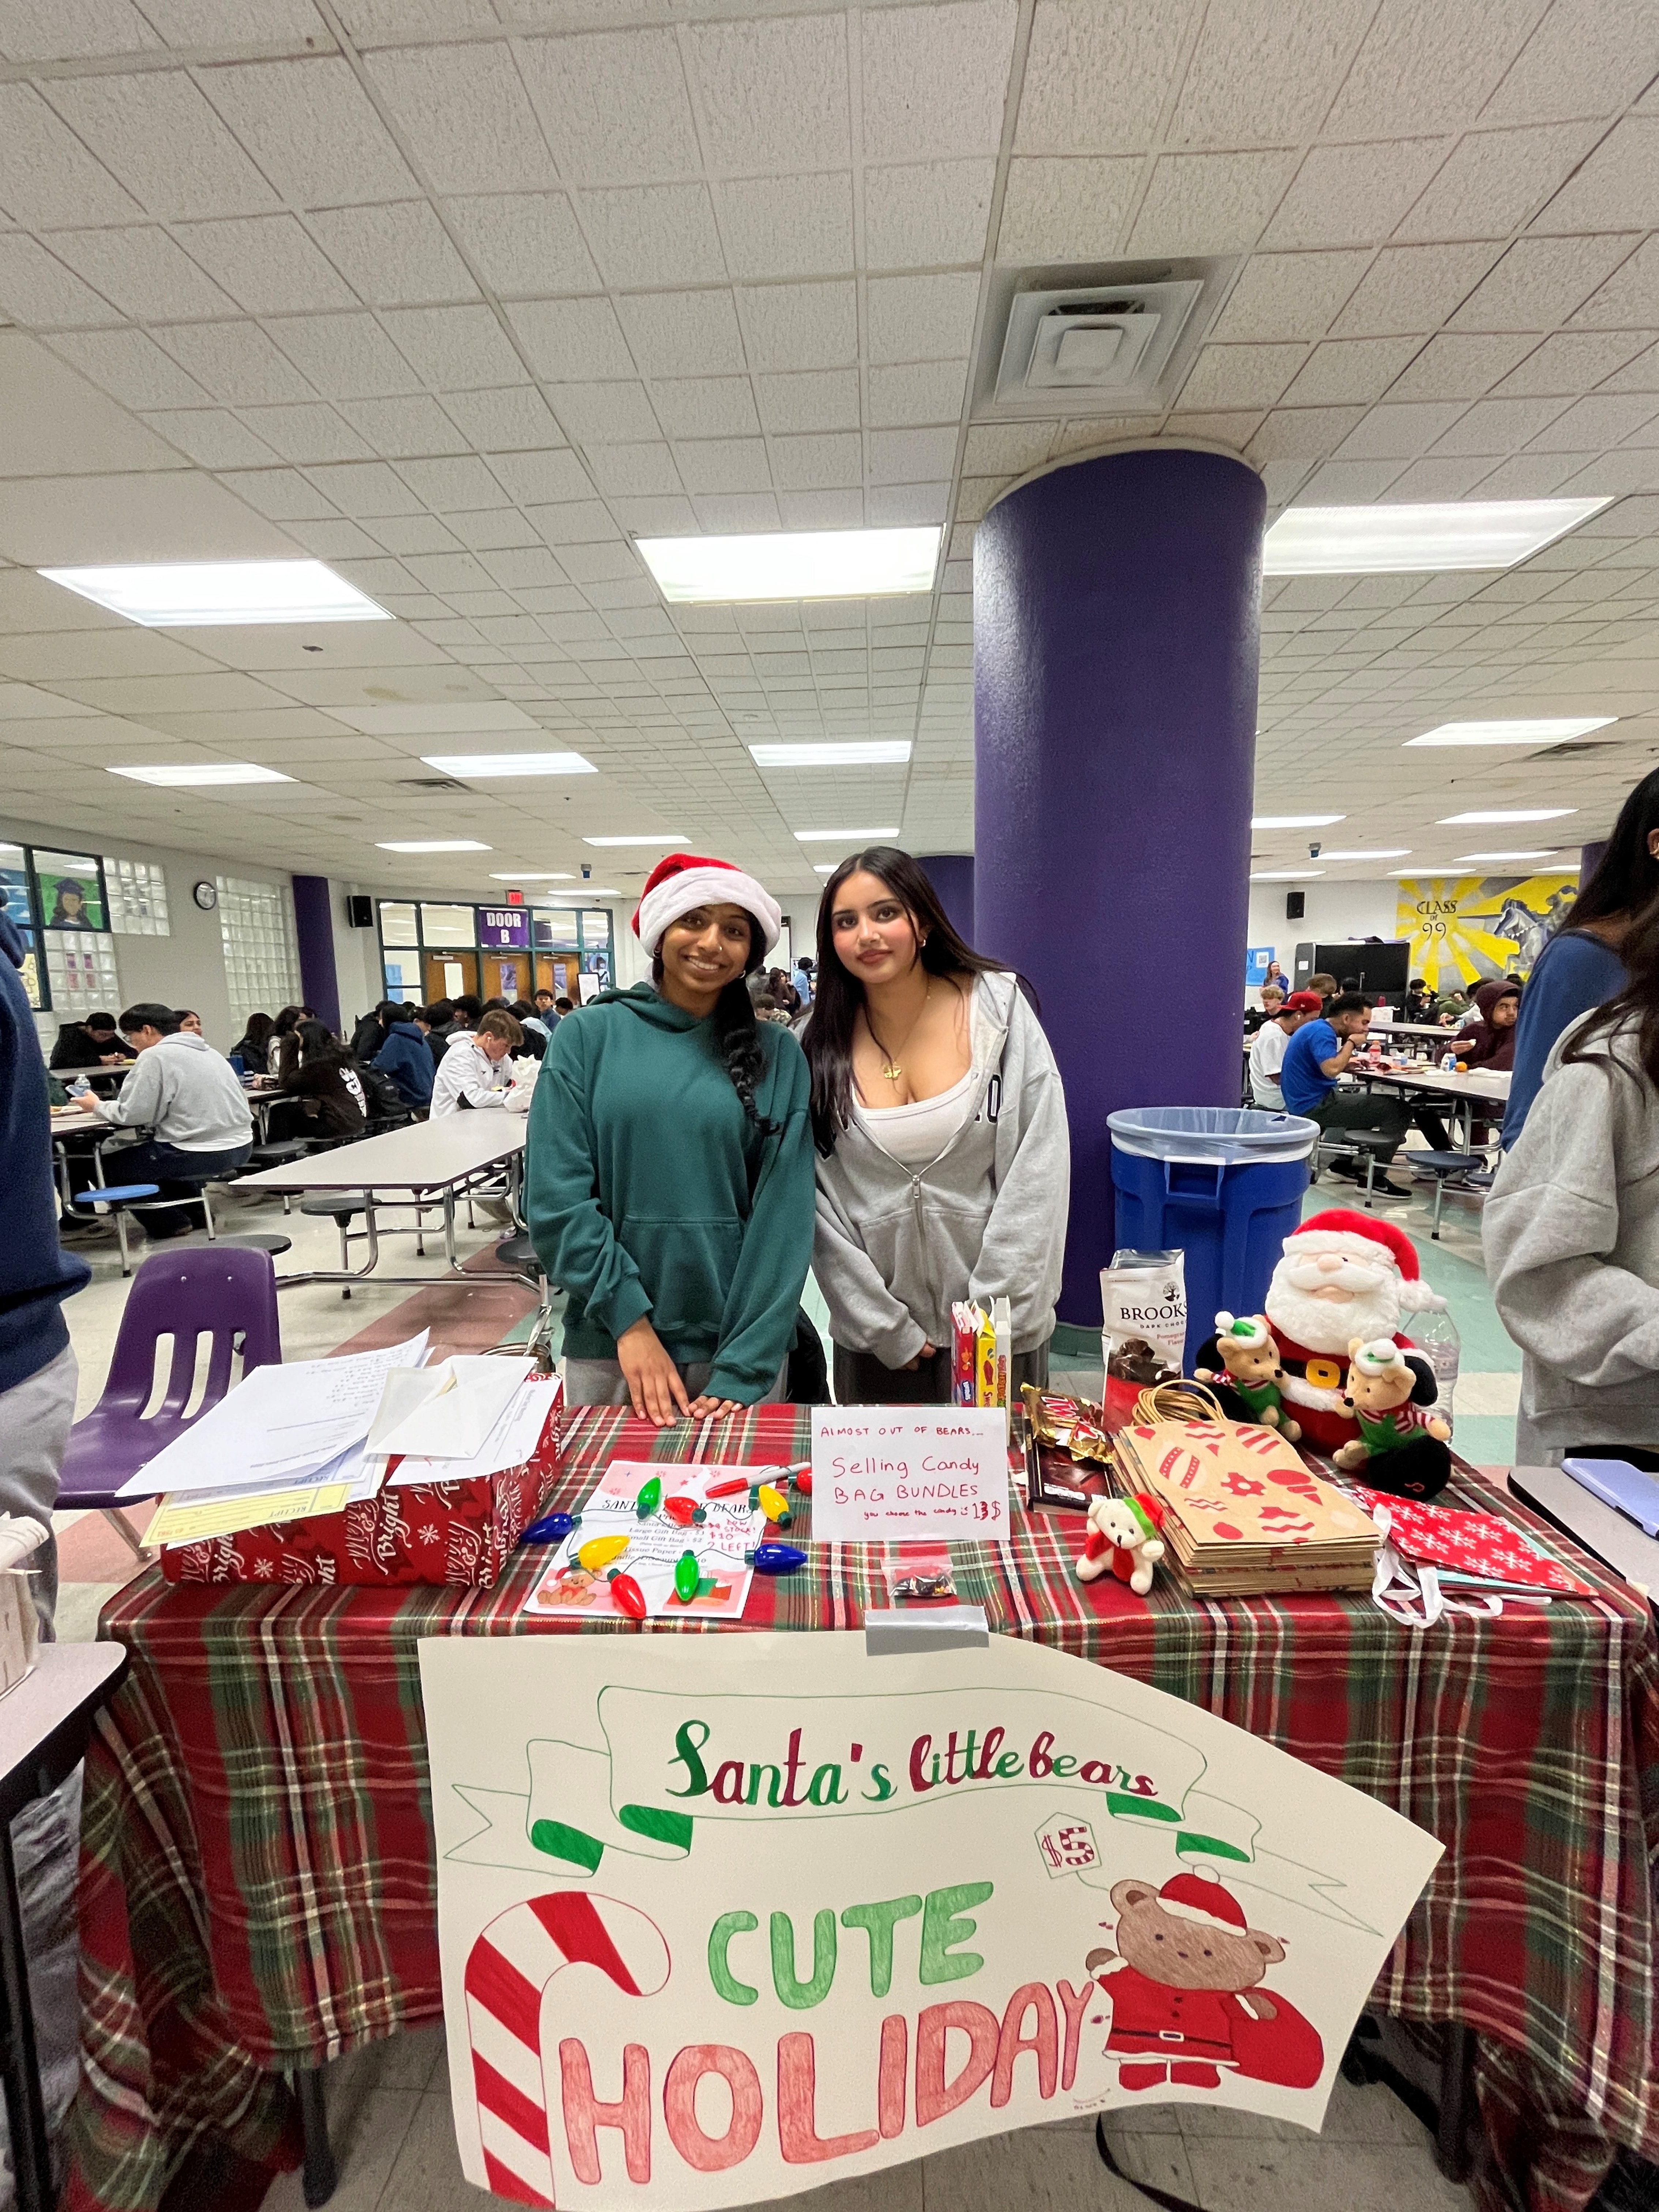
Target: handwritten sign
891,1472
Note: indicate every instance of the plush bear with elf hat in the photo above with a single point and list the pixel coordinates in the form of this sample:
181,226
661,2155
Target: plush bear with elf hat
1250,1374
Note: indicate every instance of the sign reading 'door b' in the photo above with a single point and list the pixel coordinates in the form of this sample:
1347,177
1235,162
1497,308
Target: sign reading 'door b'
503,928
892,1473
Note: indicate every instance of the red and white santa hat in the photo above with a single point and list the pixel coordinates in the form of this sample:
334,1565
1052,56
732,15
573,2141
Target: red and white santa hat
1200,1896
681,881
1360,1237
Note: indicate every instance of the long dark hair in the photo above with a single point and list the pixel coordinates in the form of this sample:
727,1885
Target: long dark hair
1627,875
1637,1003
311,1044
839,995
737,1034
258,1031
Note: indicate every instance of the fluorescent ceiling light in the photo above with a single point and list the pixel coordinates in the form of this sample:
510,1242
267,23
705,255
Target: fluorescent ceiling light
1295,821
598,891
189,594
1543,732
1517,814
531,876
841,836
1284,875
430,845
478,765
1382,852
1386,539
210,772
1548,853
674,837
850,752
794,564
825,868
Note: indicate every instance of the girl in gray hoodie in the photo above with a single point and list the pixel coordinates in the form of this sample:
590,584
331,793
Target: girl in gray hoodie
943,1156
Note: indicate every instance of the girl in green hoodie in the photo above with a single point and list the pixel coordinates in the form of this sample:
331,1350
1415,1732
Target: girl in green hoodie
668,1182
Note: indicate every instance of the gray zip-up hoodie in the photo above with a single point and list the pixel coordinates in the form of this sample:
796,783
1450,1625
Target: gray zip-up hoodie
1571,1243
896,1246
187,1093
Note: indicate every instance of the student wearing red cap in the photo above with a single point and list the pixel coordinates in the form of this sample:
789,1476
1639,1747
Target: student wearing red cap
669,1179
1267,1053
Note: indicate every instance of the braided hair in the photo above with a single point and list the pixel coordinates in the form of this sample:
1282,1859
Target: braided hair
736,1032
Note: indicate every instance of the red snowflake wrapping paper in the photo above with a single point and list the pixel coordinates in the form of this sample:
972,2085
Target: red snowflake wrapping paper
458,1534
1469,1544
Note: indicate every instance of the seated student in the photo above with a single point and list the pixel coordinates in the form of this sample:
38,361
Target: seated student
95,1042
1273,1003
536,1038
474,1072
187,1096
188,1020
1323,987
1267,1053
435,1021
1451,1006
563,1006
547,1013
1420,1003
402,1054
463,1020
253,1046
1316,1056
317,1067
1489,1040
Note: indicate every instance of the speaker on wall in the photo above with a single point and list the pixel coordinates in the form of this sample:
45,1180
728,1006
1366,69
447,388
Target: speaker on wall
359,910
1296,905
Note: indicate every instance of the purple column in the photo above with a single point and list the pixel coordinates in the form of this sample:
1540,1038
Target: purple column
314,925
1115,633
952,875
1589,859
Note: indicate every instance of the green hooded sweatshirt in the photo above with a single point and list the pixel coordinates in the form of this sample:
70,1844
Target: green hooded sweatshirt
649,1190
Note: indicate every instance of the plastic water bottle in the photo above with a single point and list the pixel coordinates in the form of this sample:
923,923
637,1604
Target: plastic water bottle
1435,1335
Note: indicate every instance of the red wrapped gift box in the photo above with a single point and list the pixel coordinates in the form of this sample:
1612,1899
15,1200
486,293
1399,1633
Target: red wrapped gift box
459,1533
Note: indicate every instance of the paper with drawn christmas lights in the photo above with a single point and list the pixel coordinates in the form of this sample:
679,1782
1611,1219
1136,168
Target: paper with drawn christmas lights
724,1918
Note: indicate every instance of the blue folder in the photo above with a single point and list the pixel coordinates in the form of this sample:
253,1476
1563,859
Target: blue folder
1625,1488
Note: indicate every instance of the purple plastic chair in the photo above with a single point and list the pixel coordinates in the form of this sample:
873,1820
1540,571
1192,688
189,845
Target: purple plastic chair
228,1296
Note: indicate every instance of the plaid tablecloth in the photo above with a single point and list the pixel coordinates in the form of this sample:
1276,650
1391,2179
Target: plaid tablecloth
258,1881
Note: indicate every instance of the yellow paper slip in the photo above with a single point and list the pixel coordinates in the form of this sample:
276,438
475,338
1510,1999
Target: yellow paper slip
193,1521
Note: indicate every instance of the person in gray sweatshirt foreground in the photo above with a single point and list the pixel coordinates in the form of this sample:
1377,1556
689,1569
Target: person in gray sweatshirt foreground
189,1099
1571,1231
943,1156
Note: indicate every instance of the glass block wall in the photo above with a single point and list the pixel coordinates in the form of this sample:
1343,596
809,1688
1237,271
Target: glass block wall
262,958
138,895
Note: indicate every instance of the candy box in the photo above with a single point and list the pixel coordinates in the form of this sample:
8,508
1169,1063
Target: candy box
459,1534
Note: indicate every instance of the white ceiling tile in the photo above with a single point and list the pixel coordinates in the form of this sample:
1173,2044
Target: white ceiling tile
1438,478
37,290
737,511
159,136
267,263
1497,425
811,399
691,333
723,465
706,407
1539,282
803,325
394,256
604,414
1586,57
572,338
131,367
633,470
56,421
455,349
787,226
655,234
223,23
46,175
344,356
1241,375
1641,374
1572,361
921,317
1628,471
236,362
773,94
1630,298
1264,70
1354,195
1289,295
525,244
140,270
531,478
1345,369
366,489
911,456
1413,288
921,392
1592,425
667,515
69,33
310,126
935,80
1098,77
1007,448
1402,431
822,510
464,116
312,432
909,506
1302,434
1210,203
927,214
513,420
171,515
399,428
1452,366
1495,180
283,494
614,105
1426,67
452,485
1619,185
825,463
1077,210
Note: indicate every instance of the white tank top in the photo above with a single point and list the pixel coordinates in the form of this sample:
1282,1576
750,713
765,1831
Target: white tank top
916,1134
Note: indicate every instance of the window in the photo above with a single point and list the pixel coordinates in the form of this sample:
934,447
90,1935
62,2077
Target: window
262,961
137,893
449,925
398,924
20,909
81,972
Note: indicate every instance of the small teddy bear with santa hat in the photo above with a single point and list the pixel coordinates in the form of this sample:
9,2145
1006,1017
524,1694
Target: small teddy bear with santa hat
1342,1275
1123,1540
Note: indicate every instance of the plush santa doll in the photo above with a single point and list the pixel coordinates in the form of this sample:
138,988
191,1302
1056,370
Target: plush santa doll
1343,1275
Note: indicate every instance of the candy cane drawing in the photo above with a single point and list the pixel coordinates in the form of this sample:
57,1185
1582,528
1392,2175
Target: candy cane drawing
512,1960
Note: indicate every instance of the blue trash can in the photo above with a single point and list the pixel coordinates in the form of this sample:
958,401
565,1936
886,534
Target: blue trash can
1223,1184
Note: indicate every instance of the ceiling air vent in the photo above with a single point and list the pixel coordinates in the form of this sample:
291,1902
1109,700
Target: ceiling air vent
1577,745
434,783
1099,340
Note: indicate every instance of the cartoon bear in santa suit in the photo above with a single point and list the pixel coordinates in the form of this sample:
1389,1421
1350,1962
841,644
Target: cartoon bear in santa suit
1343,1275
1182,1982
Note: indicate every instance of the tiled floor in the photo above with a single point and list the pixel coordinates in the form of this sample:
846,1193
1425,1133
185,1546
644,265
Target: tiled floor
389,2116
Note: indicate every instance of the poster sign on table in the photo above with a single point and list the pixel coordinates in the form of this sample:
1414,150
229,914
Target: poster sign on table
1471,929
898,1473
724,1918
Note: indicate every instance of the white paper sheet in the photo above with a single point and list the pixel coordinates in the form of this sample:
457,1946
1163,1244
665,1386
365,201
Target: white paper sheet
456,1420
509,1443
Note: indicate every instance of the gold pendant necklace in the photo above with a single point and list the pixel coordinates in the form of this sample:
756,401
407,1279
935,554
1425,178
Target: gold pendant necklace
893,1068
